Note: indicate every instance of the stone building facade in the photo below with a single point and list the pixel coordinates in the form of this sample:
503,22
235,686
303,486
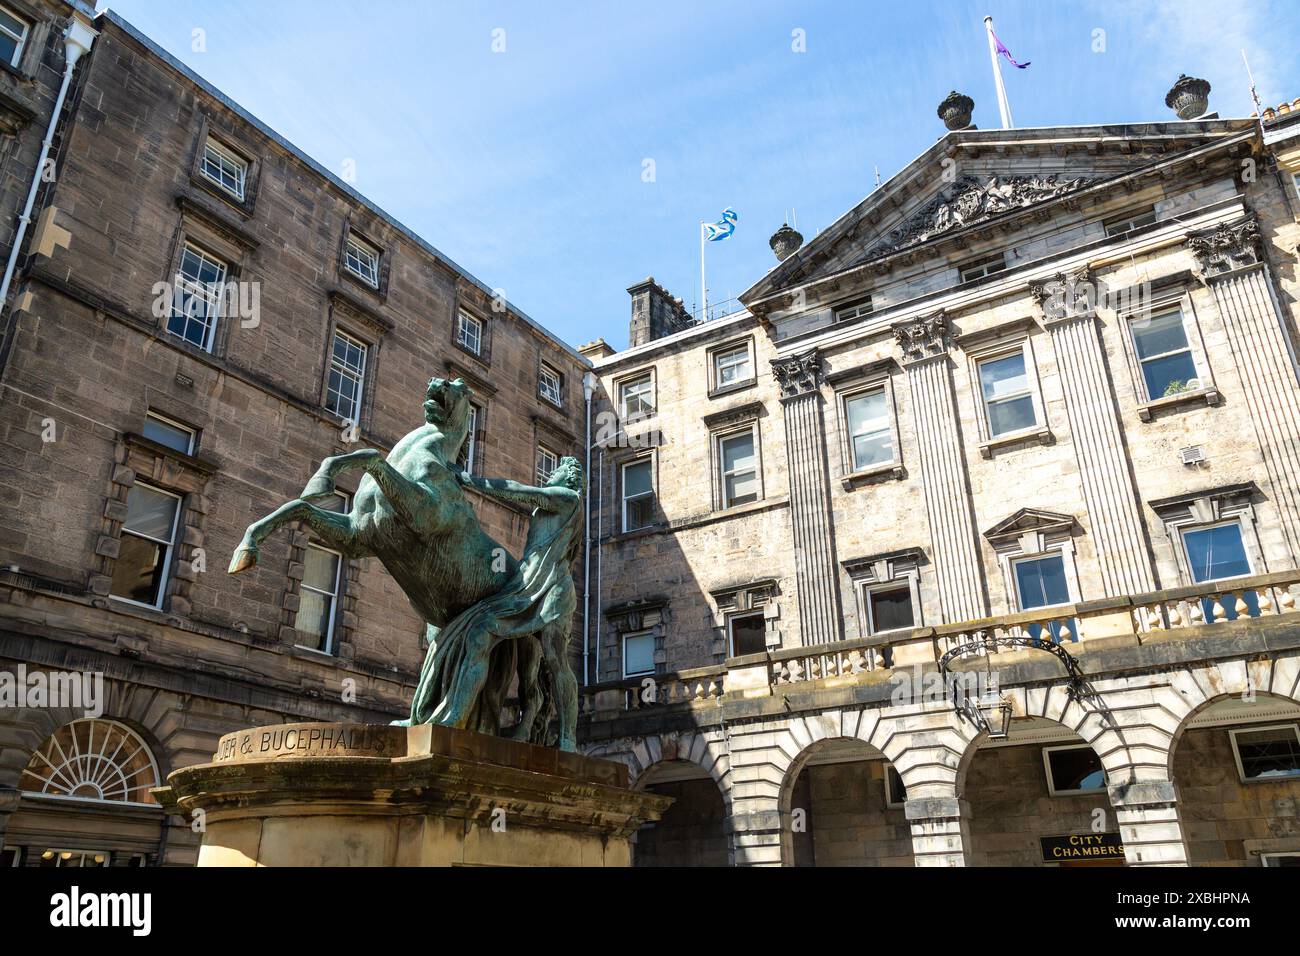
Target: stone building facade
1040,388
143,428
1037,391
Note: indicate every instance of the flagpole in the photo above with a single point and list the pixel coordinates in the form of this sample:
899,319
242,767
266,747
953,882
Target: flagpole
704,289
1004,106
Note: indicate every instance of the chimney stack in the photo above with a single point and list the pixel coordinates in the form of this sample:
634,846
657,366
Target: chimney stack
655,313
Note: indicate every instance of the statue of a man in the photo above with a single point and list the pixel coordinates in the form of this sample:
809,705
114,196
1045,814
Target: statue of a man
537,603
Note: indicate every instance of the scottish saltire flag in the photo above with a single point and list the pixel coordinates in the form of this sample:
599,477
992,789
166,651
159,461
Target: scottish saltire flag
723,228
1002,50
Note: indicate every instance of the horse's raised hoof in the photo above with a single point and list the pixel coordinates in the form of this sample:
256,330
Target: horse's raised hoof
242,560
319,487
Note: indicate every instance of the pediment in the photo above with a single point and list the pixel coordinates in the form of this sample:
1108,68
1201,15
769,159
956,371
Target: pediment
974,181
1030,520
970,200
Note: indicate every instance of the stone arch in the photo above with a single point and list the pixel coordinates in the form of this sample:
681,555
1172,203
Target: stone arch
1084,719
694,831
1195,690
640,754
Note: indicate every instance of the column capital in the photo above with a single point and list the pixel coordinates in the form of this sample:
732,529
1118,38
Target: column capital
921,338
1227,247
800,374
1067,295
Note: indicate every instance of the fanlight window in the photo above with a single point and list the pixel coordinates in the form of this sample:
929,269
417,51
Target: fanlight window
93,760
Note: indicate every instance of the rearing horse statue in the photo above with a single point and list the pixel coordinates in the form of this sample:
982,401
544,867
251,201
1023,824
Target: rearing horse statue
411,512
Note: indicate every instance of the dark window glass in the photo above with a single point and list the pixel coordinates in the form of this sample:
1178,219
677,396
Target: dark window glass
1076,769
890,608
748,635
1268,753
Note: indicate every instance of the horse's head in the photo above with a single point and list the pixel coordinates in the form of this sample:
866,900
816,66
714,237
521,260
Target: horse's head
446,405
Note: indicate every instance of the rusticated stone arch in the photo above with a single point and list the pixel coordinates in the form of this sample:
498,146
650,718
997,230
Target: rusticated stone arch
708,752
1196,689
1094,726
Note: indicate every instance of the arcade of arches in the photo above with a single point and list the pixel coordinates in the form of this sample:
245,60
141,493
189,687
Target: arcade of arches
1039,798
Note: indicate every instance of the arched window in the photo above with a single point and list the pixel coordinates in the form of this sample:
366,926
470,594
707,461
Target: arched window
93,760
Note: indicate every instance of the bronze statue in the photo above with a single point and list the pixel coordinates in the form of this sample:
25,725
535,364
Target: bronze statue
488,616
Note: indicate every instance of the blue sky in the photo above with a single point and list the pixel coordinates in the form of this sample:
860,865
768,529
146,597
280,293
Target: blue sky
526,166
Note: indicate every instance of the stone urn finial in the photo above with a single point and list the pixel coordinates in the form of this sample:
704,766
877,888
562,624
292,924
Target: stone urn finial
1189,97
955,110
784,242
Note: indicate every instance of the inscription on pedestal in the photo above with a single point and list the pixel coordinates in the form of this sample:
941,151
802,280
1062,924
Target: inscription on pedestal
311,740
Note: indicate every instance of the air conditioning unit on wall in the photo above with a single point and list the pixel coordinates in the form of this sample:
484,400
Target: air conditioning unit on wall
1191,455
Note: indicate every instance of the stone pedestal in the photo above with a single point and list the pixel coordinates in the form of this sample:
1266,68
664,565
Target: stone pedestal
319,794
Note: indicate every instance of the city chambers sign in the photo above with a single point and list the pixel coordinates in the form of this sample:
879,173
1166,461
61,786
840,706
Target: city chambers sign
1081,846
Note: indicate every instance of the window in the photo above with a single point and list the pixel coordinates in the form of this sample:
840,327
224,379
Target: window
638,495
549,384
855,311
636,397
983,267
200,283
224,168
747,634
469,332
145,548
1074,769
93,759
895,791
1215,553
166,432
732,365
1164,354
466,457
871,436
638,654
74,858
1267,753
1275,859
347,377
362,260
1041,582
13,37
317,598
888,606
739,461
547,462
1121,224
1008,397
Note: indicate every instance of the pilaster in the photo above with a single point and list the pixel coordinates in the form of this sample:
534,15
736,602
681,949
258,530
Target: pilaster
800,378
923,343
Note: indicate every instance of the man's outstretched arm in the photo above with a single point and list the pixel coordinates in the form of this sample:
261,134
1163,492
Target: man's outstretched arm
529,496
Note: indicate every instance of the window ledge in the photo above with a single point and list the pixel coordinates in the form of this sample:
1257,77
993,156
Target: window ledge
892,471
1040,434
377,292
1210,396
476,356
733,388
244,207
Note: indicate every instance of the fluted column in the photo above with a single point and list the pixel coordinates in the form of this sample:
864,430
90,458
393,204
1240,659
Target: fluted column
816,580
960,575
1232,263
1114,511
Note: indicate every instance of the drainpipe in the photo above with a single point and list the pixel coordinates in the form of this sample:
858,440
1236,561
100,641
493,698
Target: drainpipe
76,40
588,387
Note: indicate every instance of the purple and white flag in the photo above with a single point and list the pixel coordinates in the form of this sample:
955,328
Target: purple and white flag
1005,52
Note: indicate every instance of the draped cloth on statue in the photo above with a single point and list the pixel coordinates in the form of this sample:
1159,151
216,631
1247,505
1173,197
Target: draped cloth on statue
540,593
